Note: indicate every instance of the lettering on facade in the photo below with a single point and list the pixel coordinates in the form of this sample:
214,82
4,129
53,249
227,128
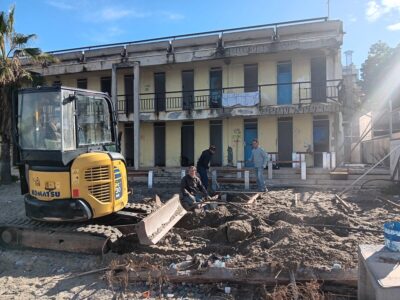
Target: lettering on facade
300,109
262,48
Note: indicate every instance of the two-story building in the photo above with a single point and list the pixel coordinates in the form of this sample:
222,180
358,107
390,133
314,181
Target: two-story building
281,83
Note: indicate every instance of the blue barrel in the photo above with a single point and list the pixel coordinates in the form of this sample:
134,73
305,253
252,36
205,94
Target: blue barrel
392,235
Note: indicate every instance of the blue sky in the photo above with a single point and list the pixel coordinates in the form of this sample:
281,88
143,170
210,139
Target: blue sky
62,24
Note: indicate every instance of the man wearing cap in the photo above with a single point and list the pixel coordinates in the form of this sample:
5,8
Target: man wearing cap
203,164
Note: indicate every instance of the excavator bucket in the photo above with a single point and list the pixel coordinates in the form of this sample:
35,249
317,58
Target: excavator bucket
152,228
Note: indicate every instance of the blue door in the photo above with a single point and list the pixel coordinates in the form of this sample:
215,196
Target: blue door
250,133
284,83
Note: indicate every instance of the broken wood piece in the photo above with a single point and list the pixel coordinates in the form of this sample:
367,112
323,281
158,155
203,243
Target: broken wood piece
244,275
295,291
344,227
388,201
346,206
295,200
253,198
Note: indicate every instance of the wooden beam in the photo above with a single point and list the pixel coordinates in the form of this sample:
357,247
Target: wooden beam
244,275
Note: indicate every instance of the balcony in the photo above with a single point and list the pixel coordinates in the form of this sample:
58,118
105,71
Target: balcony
264,99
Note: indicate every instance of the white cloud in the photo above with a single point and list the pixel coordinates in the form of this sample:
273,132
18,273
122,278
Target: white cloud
173,16
376,9
352,18
106,36
60,4
395,4
115,13
393,27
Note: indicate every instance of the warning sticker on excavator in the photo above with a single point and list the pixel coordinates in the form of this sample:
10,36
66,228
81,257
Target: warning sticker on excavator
118,183
75,176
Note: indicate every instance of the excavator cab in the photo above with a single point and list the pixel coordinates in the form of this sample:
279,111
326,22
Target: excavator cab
67,146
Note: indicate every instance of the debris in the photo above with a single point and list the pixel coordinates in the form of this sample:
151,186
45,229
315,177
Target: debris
388,201
146,294
336,266
343,204
218,264
227,290
238,231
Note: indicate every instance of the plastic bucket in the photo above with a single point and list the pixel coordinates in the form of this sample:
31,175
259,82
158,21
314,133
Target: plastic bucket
392,235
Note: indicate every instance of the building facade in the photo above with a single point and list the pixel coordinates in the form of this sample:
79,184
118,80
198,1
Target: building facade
280,83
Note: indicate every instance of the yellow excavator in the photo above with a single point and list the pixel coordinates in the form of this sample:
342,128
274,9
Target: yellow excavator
73,178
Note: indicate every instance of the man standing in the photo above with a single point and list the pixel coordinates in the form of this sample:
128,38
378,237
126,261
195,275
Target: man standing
203,164
260,159
192,190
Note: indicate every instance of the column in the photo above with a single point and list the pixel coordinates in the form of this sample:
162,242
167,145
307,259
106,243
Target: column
136,115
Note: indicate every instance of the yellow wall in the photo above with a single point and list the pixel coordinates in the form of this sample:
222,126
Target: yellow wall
201,137
302,132
301,71
173,143
267,74
303,135
232,74
147,145
232,131
268,133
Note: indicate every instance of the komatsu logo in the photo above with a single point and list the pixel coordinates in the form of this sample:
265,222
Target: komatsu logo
50,194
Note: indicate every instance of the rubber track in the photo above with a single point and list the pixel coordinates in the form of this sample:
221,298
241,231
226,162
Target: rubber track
108,232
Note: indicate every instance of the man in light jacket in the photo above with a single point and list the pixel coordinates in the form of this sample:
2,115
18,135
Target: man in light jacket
260,159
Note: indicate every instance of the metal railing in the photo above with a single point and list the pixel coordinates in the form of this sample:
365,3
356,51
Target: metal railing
125,104
304,92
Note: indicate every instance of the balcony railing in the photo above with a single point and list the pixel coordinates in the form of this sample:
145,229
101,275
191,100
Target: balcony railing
262,95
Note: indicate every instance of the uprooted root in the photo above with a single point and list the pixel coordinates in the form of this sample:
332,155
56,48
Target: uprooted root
308,290
119,273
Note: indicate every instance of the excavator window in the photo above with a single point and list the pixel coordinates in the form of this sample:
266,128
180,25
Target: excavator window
39,121
94,122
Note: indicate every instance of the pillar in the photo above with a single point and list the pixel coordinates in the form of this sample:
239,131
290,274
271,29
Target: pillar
136,115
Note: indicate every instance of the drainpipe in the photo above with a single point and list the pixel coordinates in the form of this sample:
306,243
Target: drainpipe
136,115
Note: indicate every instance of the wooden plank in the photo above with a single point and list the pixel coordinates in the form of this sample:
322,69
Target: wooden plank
253,198
344,204
244,275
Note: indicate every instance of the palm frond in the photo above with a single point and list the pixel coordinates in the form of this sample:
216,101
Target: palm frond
19,39
10,21
3,23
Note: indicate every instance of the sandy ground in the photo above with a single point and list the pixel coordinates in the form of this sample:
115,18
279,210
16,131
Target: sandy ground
269,233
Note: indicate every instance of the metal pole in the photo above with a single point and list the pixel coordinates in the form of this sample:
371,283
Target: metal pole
390,118
369,170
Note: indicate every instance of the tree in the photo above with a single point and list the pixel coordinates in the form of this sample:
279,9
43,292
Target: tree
379,60
13,47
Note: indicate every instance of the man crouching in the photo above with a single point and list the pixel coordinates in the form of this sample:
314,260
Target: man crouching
192,190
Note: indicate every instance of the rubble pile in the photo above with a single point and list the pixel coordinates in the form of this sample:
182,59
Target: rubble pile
273,232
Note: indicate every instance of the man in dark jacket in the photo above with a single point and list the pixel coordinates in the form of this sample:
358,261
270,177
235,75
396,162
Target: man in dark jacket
192,190
203,164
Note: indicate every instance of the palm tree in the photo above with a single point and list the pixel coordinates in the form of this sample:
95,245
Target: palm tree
13,46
